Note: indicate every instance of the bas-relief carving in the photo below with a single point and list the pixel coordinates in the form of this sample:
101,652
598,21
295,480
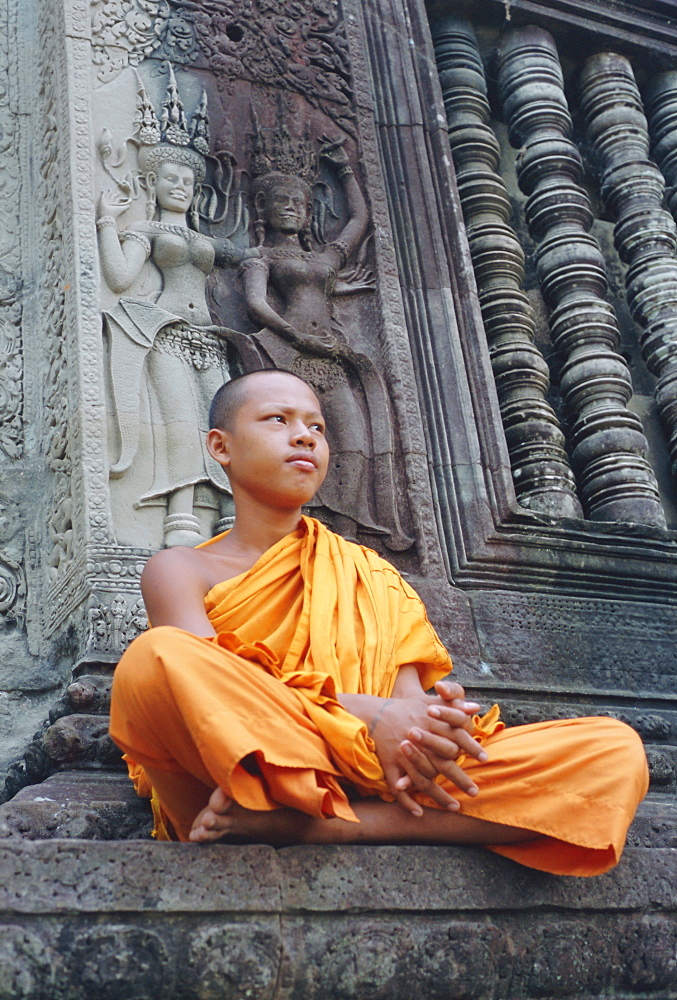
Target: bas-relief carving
488,954
290,283
113,625
166,356
296,46
302,273
12,581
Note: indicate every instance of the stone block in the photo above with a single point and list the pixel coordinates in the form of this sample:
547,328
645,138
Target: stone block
145,921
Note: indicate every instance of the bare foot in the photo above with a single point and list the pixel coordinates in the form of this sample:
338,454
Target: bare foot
380,823
223,817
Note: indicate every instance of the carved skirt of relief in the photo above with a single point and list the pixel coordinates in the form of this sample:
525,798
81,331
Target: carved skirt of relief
163,375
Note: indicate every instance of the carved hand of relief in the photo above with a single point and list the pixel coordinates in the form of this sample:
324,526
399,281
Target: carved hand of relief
358,278
112,204
326,345
332,150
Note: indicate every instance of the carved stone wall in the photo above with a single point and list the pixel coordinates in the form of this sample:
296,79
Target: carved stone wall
475,441
502,385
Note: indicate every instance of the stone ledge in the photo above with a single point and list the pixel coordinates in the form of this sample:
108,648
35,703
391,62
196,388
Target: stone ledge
136,919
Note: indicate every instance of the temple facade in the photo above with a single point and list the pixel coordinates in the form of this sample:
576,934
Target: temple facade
484,297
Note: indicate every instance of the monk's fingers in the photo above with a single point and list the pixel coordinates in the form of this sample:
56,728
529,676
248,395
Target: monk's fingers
448,690
400,785
416,762
457,736
439,745
444,715
422,773
456,775
410,805
469,745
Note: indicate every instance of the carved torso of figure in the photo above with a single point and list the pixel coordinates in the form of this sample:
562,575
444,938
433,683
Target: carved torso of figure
304,281
184,258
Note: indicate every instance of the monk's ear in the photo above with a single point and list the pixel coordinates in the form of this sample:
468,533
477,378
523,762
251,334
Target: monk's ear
218,446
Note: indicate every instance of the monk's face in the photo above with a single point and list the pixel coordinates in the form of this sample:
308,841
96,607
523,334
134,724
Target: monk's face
275,451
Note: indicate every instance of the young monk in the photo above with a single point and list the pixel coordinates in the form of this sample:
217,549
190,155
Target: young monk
280,694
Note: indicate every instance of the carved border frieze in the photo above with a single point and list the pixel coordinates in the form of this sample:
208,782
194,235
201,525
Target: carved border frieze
11,344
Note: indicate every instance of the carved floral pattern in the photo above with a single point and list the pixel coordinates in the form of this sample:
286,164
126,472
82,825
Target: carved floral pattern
123,33
12,590
297,44
52,300
112,626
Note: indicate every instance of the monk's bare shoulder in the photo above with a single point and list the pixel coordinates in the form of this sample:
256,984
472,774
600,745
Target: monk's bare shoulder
174,583
188,564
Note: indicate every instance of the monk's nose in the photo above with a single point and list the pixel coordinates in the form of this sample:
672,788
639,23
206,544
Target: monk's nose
306,438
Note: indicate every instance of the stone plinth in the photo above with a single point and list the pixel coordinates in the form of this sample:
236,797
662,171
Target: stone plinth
142,920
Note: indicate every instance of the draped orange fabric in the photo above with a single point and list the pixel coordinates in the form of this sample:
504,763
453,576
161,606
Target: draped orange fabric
314,617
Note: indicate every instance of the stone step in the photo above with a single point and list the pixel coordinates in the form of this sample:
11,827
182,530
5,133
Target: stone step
87,804
102,805
83,920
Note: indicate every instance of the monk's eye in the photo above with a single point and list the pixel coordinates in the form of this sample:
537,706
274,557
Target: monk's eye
276,416
317,427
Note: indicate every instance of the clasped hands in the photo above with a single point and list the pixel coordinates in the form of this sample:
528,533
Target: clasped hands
418,738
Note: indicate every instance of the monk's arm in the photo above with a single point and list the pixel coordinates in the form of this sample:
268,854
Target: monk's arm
174,587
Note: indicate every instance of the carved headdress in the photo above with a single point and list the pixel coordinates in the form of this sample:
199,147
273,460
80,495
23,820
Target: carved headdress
282,155
170,139
279,161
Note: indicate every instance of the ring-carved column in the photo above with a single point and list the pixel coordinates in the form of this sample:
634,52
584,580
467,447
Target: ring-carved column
609,447
632,187
540,467
660,103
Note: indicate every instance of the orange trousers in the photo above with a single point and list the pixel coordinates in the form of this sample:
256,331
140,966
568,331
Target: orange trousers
189,712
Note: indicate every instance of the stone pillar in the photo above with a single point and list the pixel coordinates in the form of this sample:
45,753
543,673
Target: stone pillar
661,108
609,447
541,473
645,234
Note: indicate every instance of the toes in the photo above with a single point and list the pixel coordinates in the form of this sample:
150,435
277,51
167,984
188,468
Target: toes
219,801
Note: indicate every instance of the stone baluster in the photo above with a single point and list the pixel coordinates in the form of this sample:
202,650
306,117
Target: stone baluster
632,187
660,101
540,467
609,447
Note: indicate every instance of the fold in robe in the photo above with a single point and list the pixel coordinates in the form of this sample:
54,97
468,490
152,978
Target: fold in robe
254,710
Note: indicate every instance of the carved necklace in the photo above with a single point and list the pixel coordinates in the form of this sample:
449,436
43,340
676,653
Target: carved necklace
279,252
188,234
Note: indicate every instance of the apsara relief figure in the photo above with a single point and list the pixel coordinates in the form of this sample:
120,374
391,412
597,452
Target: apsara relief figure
290,290
167,357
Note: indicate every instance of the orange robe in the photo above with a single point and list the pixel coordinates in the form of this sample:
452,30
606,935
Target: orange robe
314,617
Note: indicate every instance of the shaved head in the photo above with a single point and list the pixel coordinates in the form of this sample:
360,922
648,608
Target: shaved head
230,397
